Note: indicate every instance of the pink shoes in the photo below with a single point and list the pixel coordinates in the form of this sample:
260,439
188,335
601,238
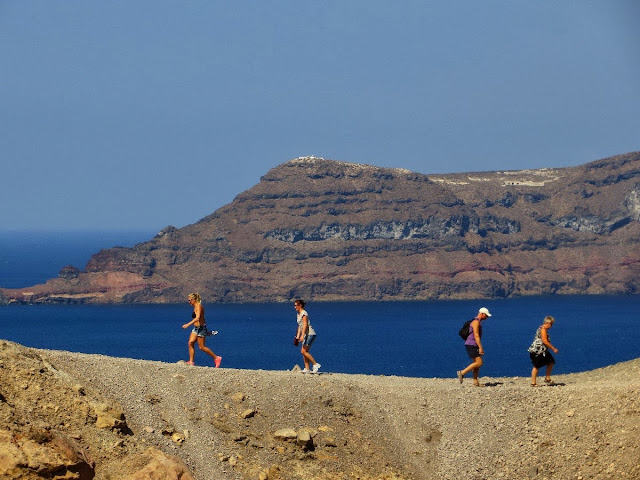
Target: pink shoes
217,361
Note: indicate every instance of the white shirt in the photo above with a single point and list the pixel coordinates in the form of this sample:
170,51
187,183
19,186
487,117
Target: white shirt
299,319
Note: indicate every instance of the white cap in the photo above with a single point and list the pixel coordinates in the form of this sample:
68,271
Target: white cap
485,311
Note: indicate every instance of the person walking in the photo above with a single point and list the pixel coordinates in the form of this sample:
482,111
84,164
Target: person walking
200,331
539,352
305,335
473,344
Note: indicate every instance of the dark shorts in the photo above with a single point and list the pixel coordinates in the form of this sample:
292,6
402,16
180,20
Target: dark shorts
542,360
473,351
308,340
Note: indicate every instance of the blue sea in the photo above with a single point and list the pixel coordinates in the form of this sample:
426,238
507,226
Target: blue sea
415,339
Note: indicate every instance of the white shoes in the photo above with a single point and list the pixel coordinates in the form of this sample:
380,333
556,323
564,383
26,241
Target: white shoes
315,369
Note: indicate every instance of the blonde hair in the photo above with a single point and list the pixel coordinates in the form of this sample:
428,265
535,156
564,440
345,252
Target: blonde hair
195,297
549,319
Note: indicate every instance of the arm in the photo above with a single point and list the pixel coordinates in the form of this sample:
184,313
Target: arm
475,325
198,311
298,332
545,339
303,328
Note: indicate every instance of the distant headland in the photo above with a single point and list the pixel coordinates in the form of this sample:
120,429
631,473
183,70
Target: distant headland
327,230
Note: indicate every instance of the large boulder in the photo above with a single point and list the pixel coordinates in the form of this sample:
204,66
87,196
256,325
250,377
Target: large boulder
42,454
156,465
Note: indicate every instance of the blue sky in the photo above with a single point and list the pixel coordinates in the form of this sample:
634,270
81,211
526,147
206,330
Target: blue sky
135,115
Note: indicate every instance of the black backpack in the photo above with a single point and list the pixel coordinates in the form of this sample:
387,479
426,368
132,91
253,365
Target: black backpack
466,330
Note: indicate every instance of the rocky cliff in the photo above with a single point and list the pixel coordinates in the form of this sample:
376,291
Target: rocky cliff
328,230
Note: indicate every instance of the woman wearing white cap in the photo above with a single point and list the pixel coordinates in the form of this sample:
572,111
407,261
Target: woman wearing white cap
474,346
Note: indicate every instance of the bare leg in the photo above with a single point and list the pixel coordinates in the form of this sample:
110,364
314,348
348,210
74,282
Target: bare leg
476,371
307,356
547,376
205,349
192,351
534,375
475,366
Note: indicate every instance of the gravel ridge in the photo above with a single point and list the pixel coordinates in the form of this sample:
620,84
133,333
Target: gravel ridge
365,426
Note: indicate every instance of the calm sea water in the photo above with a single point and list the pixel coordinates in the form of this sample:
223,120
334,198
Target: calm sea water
417,339
31,257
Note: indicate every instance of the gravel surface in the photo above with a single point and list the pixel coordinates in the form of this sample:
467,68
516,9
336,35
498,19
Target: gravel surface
222,422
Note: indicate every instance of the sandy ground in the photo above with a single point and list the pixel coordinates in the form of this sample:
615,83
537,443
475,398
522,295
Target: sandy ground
226,423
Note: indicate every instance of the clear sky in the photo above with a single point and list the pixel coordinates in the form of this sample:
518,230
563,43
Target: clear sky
135,115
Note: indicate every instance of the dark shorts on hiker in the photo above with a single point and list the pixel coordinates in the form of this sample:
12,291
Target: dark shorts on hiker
473,351
542,360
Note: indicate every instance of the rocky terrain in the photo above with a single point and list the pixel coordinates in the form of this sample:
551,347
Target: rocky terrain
76,416
328,230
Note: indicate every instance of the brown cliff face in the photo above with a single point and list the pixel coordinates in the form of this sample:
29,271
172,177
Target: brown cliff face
327,230
52,427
